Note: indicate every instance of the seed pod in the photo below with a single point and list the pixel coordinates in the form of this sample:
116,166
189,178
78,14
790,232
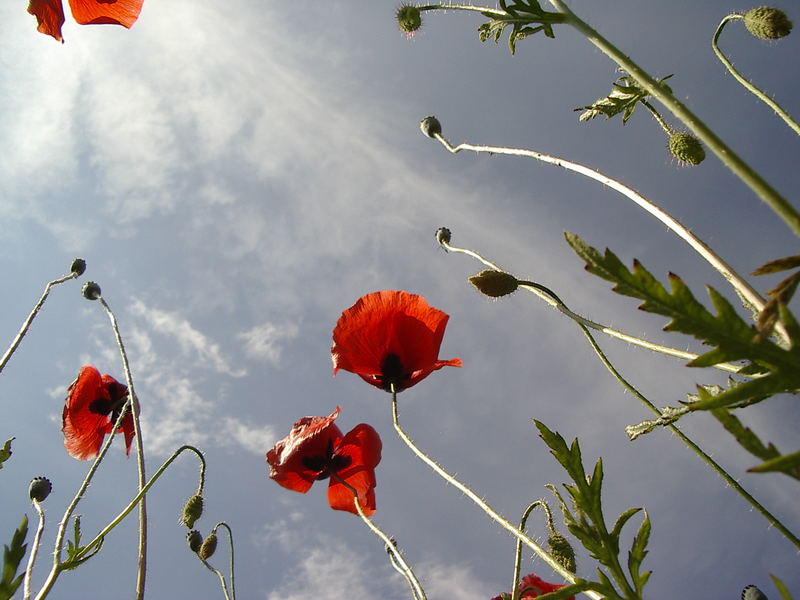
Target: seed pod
409,18
192,510
208,546
767,23
39,489
686,148
431,126
78,267
494,283
443,235
195,540
91,291
751,592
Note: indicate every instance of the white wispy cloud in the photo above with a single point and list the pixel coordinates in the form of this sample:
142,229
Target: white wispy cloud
263,342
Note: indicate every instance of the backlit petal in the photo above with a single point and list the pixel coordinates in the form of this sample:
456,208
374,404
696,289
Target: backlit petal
362,446
113,12
49,16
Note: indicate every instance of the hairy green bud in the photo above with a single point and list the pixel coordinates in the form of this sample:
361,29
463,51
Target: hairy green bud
562,551
767,23
686,148
208,546
494,283
192,510
409,18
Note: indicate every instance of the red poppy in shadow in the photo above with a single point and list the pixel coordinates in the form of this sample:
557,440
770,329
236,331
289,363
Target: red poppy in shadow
316,449
50,13
92,407
533,586
390,338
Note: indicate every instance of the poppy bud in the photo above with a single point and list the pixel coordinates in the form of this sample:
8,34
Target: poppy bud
751,592
208,546
78,267
562,551
192,510
767,23
91,291
494,283
409,18
39,489
443,235
195,540
686,148
430,126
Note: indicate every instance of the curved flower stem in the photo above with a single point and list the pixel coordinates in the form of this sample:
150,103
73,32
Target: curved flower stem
26,588
680,435
134,408
494,515
518,553
750,296
27,324
749,86
98,539
533,287
232,559
750,177
398,562
221,578
657,116
484,10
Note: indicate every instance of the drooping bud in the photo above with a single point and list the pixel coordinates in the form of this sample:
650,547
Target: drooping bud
443,236
192,510
208,546
39,489
494,283
409,18
195,540
78,267
430,126
767,23
686,148
562,551
91,291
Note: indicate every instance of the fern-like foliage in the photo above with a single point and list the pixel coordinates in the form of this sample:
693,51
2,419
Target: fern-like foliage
626,94
5,451
729,335
12,557
525,17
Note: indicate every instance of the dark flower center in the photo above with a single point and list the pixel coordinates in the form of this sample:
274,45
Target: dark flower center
328,463
392,372
111,405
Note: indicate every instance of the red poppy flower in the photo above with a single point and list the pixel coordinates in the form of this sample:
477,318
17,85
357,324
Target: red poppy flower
390,338
316,449
50,13
92,407
533,586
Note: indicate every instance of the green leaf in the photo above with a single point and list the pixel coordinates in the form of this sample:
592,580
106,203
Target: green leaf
625,96
787,463
5,451
638,553
746,393
782,589
12,557
567,591
621,520
779,264
520,15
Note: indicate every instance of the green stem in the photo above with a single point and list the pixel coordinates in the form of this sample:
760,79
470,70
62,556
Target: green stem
494,515
749,86
729,158
27,324
134,407
232,560
219,574
26,588
518,552
657,116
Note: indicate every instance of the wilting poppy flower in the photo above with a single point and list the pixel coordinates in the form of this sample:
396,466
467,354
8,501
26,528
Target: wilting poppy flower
316,449
533,586
390,338
50,13
92,407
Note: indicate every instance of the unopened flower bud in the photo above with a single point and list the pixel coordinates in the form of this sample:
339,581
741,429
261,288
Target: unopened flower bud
430,126
195,540
78,267
562,551
686,148
208,546
192,510
443,235
494,283
91,291
409,18
767,23
39,489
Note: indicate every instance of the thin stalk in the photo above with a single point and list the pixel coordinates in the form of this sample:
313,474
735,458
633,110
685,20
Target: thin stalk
748,85
744,289
657,116
27,324
134,407
494,515
561,307
219,574
232,558
518,552
390,545
729,158
468,7
26,588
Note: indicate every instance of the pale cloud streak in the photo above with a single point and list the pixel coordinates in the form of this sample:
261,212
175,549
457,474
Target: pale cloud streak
263,342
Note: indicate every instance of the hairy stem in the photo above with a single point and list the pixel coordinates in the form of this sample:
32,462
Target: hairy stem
26,588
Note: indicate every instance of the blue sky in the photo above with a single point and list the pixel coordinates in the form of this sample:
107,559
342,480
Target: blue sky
237,174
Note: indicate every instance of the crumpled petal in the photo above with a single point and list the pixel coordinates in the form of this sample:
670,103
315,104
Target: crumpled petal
110,12
362,445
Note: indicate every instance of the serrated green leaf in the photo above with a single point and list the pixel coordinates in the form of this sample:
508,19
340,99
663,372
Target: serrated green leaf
787,463
749,392
621,520
782,589
744,435
12,557
5,451
779,264
638,553
625,96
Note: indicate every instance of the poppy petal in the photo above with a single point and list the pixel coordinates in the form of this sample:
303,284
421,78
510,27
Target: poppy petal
110,12
362,446
49,17
309,437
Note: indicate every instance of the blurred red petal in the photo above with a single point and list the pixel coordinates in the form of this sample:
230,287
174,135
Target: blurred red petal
111,12
49,16
533,586
362,445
